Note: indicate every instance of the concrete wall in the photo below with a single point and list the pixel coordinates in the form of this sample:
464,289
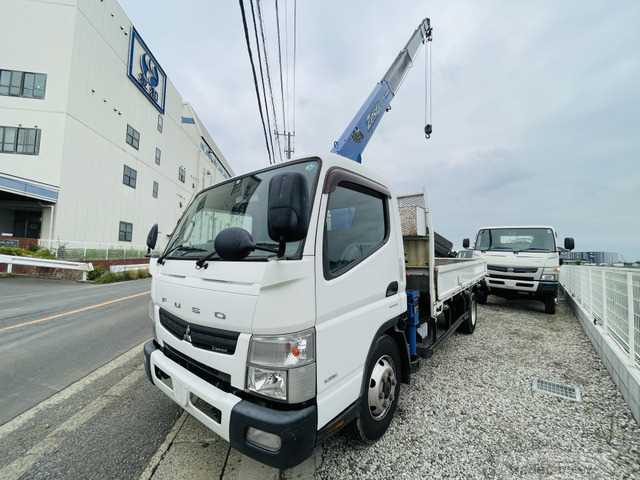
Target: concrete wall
625,376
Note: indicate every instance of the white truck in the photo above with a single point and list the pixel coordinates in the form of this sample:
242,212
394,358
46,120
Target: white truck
522,262
283,310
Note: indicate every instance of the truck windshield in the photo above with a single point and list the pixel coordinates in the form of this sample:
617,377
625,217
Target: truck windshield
240,202
516,239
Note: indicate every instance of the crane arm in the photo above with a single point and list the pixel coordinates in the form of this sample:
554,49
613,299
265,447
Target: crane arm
356,136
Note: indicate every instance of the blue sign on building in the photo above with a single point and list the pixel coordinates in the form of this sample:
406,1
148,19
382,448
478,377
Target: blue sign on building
145,72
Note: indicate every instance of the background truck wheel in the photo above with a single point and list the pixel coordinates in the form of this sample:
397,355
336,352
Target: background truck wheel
550,304
381,391
469,325
481,296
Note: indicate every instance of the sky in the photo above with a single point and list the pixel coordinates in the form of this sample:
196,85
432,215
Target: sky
535,104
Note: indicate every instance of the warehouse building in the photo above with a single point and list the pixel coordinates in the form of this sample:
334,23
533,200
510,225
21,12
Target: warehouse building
96,143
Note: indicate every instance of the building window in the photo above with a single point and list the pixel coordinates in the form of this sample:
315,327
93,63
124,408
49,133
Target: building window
188,120
129,177
22,84
158,155
25,141
155,189
133,137
182,174
125,232
160,122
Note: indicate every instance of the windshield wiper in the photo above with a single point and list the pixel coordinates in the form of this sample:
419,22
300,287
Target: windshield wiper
202,261
186,248
536,248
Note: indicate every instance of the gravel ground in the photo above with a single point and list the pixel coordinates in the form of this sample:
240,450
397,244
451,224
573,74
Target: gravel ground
469,412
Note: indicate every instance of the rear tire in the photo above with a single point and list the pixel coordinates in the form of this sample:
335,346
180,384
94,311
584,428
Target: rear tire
481,296
381,391
469,325
550,304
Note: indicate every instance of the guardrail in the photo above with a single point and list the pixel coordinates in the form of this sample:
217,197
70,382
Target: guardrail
11,260
126,268
611,296
78,250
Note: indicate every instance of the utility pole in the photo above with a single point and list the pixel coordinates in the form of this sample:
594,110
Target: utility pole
289,148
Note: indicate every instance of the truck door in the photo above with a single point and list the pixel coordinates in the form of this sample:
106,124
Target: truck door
357,278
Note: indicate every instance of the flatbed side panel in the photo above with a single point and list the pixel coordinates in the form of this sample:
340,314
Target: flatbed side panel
454,277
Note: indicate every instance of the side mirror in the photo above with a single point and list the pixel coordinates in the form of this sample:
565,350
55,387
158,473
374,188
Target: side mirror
569,244
288,210
234,243
465,243
152,238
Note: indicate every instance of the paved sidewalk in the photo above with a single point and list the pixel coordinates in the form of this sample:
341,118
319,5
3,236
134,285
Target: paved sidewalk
469,413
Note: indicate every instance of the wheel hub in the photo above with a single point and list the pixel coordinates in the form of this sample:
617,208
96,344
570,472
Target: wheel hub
382,388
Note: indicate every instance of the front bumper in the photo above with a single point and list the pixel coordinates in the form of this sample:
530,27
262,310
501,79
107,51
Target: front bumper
232,415
534,288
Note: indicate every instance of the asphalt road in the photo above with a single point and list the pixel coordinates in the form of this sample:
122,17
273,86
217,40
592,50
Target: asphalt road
41,355
74,400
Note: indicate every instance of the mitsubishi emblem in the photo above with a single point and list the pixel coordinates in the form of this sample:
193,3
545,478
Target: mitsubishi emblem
187,334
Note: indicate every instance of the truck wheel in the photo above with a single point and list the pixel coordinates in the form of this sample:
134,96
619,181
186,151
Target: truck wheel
469,325
382,390
550,304
481,296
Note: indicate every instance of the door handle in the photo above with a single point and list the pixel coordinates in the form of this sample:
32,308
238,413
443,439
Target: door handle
392,289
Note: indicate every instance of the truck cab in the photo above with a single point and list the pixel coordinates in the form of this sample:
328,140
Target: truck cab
522,261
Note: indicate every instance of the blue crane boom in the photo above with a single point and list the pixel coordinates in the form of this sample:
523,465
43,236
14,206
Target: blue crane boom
356,136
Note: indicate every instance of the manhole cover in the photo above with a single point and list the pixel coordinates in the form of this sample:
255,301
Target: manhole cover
568,392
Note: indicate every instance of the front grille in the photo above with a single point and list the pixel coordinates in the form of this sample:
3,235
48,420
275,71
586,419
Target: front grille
497,268
510,277
211,375
207,338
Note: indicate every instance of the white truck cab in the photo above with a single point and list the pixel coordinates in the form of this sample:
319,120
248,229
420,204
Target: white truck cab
521,261
280,308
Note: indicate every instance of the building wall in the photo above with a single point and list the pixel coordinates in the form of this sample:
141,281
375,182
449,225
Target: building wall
37,37
89,102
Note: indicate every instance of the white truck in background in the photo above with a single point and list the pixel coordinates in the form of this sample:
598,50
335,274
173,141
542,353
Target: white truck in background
522,261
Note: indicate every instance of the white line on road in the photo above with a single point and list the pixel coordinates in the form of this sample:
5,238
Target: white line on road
162,449
68,392
72,312
52,441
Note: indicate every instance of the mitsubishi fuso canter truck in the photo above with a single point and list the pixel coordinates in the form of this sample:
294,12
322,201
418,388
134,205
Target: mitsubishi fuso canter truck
283,309
522,261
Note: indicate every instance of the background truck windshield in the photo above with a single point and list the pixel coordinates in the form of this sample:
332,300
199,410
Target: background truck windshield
241,202
516,239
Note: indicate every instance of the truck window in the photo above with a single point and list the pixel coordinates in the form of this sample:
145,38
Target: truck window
516,239
355,227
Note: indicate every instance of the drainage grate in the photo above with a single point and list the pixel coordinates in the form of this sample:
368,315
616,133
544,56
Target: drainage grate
568,392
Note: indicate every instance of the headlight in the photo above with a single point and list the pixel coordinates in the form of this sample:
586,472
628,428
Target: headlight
550,274
283,366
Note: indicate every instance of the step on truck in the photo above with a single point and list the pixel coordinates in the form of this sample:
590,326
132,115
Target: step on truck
522,262
283,310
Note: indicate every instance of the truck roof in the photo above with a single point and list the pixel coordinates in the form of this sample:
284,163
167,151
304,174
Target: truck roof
517,226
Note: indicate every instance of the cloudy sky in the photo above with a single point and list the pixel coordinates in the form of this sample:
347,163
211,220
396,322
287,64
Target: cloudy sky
535,104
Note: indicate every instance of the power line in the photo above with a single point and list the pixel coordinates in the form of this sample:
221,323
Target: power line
266,64
284,118
295,37
264,94
255,79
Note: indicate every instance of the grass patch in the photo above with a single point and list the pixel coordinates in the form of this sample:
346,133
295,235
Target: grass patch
34,251
112,277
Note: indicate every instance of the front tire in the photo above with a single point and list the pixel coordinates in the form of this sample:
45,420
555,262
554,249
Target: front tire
550,304
381,391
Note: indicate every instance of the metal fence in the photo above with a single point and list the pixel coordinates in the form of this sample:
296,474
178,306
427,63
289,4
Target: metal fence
612,298
88,251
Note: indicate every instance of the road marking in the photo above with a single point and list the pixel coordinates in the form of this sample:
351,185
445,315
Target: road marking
71,390
72,312
20,466
163,448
